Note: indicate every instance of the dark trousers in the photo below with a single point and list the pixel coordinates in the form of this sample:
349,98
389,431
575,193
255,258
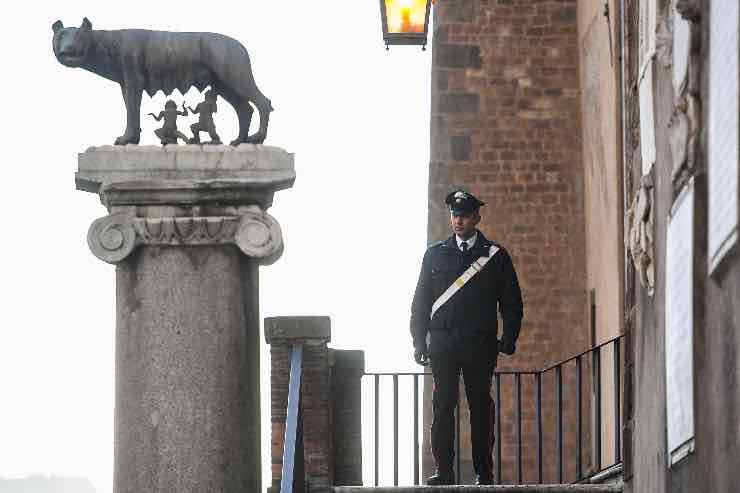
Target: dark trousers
477,373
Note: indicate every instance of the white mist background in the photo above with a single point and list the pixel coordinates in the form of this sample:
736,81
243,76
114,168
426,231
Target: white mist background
354,225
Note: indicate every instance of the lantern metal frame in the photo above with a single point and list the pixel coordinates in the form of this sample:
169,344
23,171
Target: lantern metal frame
405,38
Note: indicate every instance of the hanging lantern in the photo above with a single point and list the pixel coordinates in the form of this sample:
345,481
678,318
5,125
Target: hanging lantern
405,22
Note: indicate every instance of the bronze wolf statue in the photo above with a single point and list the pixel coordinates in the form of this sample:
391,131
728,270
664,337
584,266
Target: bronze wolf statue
141,60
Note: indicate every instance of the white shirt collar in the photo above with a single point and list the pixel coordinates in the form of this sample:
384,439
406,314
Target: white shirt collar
470,241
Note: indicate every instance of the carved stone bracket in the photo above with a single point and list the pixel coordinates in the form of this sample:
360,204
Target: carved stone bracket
689,10
678,132
684,128
640,234
684,125
257,234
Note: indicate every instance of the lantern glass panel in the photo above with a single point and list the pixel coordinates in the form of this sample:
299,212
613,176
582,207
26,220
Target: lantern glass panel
406,16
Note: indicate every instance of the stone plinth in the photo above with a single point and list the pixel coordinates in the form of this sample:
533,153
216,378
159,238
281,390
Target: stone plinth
187,231
223,173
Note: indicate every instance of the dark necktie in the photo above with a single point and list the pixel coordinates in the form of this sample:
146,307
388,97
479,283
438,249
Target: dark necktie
464,247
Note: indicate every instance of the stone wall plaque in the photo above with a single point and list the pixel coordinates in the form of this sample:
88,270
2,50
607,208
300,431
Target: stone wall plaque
679,325
723,129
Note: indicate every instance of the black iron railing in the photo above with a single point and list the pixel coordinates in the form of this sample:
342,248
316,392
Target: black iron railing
566,417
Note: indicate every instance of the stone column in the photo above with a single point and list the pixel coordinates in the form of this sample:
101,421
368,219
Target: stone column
187,230
314,333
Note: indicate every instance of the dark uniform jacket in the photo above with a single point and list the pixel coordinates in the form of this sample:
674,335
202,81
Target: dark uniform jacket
472,310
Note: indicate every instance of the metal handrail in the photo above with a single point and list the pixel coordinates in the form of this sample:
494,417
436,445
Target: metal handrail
595,354
582,353
291,424
508,372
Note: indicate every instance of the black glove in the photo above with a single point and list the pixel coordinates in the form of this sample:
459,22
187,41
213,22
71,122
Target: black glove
506,346
421,356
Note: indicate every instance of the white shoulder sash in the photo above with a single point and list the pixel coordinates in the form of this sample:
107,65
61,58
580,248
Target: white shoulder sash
471,271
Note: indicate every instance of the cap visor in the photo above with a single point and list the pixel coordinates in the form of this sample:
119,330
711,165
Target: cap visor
461,211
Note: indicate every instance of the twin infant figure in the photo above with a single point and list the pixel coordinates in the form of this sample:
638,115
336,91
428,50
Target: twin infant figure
169,133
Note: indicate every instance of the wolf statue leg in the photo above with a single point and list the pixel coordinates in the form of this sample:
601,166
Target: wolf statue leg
132,99
244,111
264,107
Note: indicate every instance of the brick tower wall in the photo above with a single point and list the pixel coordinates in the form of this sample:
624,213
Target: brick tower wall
506,126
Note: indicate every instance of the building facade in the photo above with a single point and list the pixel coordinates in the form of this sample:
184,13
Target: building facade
682,296
603,136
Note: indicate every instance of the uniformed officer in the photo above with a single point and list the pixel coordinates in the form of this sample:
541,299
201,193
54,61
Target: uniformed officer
454,326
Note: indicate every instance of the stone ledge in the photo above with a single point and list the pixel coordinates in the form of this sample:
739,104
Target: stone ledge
247,165
184,157
504,488
307,328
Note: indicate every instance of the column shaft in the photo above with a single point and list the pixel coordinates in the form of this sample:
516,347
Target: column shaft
187,371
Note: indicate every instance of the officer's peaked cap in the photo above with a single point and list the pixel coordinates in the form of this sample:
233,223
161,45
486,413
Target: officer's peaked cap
461,201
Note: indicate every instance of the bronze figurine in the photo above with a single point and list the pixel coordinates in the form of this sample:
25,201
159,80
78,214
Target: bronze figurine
142,60
205,111
169,133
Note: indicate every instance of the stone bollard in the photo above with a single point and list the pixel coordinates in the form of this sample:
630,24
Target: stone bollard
314,333
187,230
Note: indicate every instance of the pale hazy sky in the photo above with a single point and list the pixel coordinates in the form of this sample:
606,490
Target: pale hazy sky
357,119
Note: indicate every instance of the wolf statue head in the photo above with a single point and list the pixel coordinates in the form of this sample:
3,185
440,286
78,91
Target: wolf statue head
72,44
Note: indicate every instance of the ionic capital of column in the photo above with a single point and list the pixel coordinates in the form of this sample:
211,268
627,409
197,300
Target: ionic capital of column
256,233
185,195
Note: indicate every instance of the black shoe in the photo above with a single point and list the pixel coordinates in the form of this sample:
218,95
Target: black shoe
441,479
483,479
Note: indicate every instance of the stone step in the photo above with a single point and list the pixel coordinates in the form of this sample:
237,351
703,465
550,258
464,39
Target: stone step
504,488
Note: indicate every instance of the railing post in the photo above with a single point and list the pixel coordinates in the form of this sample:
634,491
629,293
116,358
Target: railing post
539,427
376,419
597,406
559,417
457,438
579,418
416,430
498,429
395,430
518,385
617,404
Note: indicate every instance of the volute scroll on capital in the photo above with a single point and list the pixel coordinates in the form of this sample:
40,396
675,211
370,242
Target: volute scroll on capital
112,238
257,234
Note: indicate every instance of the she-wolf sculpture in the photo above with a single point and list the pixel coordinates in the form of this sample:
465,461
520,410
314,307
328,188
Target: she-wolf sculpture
142,60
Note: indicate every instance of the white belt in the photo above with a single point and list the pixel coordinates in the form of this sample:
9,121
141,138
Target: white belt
471,271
